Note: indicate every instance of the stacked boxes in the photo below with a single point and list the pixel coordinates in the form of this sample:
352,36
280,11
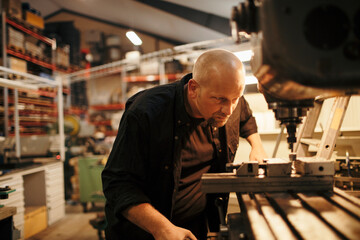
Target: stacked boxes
17,64
33,50
12,8
16,39
63,56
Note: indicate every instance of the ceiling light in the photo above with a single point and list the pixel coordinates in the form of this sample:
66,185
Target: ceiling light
134,38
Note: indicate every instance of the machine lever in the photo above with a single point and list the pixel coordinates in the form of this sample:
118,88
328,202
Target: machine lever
219,202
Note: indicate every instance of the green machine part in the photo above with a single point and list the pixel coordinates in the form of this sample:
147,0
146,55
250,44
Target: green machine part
90,169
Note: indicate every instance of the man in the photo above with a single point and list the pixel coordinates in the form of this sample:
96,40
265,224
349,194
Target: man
168,137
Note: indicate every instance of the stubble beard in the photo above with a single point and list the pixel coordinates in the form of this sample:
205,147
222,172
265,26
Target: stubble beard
217,123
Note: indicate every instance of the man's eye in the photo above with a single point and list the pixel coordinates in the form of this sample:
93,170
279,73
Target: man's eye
220,99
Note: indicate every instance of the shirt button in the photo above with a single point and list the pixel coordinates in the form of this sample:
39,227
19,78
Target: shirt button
179,121
166,167
219,150
176,137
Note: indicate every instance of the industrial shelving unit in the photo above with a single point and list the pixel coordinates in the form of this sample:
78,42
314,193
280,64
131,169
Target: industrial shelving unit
30,83
30,103
32,53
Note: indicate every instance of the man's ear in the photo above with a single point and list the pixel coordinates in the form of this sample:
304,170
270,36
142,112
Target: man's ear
192,88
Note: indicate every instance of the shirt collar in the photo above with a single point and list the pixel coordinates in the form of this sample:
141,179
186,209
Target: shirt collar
181,115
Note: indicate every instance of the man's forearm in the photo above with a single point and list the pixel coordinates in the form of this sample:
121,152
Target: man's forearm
146,217
254,140
257,150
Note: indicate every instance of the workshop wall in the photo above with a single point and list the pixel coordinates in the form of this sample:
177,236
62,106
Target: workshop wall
86,25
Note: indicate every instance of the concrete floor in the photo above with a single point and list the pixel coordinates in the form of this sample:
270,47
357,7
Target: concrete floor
75,225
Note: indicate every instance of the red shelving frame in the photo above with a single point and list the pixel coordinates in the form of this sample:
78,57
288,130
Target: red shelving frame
31,59
116,106
46,40
152,78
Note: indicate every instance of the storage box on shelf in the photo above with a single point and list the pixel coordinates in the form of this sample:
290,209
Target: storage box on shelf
16,40
34,20
12,8
17,64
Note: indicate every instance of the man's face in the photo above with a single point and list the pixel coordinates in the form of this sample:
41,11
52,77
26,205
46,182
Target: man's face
216,102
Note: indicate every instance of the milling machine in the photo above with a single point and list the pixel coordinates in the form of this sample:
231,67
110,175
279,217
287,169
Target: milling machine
303,50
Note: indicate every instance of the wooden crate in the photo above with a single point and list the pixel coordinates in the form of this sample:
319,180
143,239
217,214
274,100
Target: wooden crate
35,220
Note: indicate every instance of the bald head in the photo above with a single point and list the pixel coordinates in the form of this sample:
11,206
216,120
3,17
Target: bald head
216,87
218,65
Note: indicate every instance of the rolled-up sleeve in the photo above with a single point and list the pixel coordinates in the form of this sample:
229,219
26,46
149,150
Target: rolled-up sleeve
247,120
124,175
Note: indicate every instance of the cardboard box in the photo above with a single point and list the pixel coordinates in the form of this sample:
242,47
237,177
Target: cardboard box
12,8
34,19
33,49
16,39
17,64
35,220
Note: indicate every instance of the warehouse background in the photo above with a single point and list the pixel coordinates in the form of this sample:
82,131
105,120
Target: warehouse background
83,44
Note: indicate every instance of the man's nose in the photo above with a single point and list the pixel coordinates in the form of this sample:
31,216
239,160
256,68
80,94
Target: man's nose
228,108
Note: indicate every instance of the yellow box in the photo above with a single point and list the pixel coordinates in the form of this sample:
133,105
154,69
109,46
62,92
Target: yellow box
35,220
34,20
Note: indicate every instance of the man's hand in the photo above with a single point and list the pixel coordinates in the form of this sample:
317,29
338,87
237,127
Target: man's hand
257,154
257,150
174,233
148,218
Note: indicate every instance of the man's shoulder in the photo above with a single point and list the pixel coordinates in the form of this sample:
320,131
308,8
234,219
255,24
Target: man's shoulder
154,100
